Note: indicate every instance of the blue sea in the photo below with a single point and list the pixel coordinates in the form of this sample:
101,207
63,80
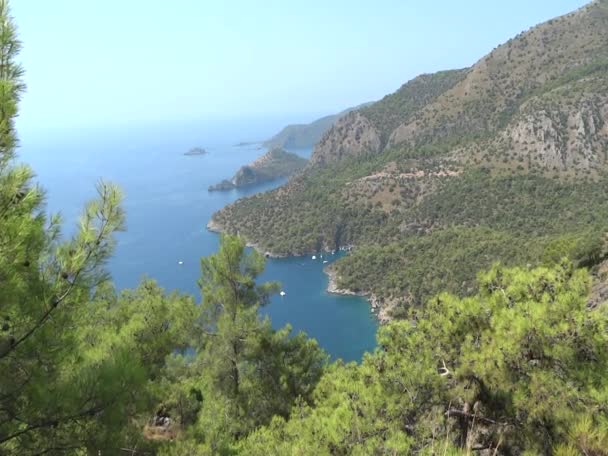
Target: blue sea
168,207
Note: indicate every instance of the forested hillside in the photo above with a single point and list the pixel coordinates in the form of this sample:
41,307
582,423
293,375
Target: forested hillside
510,154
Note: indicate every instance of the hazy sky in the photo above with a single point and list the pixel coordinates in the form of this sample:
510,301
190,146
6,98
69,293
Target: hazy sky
138,62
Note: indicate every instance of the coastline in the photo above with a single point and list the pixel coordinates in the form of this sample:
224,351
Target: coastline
379,307
380,311
215,227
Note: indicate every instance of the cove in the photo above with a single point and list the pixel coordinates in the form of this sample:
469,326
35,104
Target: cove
168,207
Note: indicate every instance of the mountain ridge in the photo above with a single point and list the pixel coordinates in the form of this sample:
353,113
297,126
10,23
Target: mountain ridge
487,97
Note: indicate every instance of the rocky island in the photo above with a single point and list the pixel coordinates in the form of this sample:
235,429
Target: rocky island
274,164
196,151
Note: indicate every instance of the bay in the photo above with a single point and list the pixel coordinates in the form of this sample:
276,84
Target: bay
168,207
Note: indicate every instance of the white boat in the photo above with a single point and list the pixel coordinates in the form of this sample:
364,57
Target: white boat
325,262
180,262
282,293
314,257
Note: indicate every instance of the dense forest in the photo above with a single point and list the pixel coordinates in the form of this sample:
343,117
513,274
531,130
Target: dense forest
517,367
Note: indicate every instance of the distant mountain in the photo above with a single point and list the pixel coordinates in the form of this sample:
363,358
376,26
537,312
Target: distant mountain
504,161
275,164
301,136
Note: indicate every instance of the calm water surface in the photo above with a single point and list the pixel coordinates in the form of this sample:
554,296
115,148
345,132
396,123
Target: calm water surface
168,207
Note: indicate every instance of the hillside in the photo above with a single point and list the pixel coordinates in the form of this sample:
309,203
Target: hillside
368,129
274,164
302,136
504,161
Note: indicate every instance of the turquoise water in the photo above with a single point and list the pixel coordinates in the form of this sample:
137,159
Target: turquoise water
168,207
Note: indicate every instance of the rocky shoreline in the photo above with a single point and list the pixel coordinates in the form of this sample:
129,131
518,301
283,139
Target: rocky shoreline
382,312
215,227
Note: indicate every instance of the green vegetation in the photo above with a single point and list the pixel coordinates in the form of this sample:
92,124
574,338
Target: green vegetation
243,372
87,370
459,225
517,367
309,220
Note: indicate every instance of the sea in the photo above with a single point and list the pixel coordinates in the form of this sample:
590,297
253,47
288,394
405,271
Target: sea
168,206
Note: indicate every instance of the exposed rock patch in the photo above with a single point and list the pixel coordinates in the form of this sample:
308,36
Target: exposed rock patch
352,136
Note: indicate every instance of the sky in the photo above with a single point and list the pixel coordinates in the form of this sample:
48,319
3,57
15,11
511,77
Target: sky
110,63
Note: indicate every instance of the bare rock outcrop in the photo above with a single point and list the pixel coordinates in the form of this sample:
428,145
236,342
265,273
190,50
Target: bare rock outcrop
562,139
353,135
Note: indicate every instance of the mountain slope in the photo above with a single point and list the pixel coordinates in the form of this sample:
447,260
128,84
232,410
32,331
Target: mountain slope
523,77
367,130
503,161
534,62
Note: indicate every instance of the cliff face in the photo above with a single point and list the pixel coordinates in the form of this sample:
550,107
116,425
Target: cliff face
563,138
352,136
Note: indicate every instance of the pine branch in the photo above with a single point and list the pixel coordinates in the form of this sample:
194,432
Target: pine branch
470,416
53,423
91,248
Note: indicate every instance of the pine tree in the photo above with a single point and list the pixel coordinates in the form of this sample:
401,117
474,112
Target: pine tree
71,378
517,369
248,372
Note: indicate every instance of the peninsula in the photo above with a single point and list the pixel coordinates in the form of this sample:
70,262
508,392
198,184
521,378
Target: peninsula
302,136
274,164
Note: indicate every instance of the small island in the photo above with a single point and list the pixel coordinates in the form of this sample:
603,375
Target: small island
272,165
247,143
196,151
